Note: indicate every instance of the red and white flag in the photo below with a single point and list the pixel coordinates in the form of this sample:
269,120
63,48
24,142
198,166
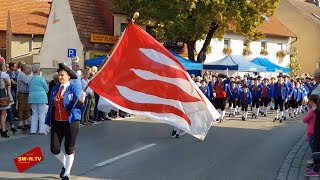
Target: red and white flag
142,77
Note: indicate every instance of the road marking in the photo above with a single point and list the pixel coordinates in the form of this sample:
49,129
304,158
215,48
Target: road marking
183,133
124,155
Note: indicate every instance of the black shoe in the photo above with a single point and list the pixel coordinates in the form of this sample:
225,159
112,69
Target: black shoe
280,121
253,115
177,136
62,172
275,119
27,126
4,134
173,133
265,115
284,118
65,178
243,118
14,130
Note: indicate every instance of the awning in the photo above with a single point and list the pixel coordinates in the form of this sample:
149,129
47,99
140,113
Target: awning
234,62
187,64
95,61
270,66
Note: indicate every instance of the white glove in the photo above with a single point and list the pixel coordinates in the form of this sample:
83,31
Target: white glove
82,96
46,129
214,94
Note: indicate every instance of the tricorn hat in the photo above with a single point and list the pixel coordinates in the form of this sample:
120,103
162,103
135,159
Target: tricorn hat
71,73
222,76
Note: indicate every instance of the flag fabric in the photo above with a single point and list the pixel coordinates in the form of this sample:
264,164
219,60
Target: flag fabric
142,77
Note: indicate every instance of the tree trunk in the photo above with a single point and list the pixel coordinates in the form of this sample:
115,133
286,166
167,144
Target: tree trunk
213,27
191,45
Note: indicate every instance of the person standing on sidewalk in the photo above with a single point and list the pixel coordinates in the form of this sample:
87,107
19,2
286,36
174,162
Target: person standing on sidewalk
12,72
38,99
316,141
64,116
23,93
310,118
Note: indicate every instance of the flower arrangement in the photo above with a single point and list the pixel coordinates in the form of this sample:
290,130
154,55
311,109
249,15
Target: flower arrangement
227,50
246,51
264,52
281,54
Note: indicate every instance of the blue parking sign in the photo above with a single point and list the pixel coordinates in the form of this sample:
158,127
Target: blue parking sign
72,53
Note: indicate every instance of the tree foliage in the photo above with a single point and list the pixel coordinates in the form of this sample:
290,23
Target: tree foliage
194,20
294,65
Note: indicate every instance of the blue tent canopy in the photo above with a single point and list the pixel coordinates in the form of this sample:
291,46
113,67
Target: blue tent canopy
234,62
188,65
270,66
95,61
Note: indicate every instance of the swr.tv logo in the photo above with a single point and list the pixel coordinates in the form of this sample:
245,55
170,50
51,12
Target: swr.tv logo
28,159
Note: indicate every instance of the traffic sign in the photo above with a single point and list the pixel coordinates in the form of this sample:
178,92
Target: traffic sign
72,53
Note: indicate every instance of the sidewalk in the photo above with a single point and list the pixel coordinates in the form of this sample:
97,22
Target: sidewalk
294,166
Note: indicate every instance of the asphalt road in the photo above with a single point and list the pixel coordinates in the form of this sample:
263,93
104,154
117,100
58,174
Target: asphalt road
138,148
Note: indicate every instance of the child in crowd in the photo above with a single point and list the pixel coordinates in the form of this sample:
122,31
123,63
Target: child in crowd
310,119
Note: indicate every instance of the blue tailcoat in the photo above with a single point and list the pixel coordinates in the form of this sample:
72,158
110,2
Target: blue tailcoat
70,97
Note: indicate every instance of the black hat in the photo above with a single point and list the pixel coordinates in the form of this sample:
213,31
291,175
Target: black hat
71,73
245,86
280,75
259,77
222,76
265,79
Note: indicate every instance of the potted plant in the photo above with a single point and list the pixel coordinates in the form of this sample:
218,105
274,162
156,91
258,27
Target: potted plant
281,54
264,52
227,50
246,51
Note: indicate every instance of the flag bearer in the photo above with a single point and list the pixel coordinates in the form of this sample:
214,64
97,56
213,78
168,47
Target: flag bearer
64,115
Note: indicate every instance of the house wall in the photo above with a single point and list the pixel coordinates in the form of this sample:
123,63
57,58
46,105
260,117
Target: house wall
308,32
237,46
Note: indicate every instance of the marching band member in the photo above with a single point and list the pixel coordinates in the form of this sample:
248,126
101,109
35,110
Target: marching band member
211,85
272,81
279,96
233,97
256,92
267,90
64,116
295,98
289,88
205,89
221,89
245,99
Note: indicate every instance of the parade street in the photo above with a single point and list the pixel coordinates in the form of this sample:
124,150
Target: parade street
138,148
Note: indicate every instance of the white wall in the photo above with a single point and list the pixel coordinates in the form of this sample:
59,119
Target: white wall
237,48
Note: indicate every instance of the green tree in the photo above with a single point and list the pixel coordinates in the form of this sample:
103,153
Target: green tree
195,20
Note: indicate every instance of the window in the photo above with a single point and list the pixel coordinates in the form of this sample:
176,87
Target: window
227,42
281,45
264,45
123,27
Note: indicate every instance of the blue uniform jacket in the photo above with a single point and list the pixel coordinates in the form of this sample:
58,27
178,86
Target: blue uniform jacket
206,91
258,92
296,93
309,87
283,93
234,94
211,86
70,97
248,98
305,91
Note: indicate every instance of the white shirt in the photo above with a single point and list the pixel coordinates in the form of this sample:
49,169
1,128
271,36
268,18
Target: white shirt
67,84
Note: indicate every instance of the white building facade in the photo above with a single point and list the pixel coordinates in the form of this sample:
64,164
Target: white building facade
237,43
